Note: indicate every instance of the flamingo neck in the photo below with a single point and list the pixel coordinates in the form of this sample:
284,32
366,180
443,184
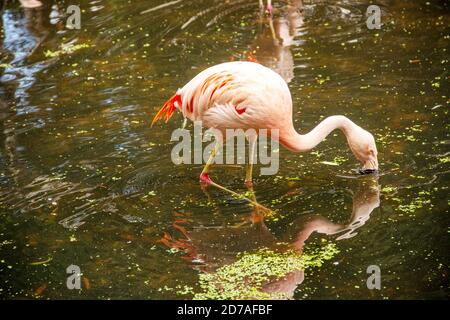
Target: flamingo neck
303,142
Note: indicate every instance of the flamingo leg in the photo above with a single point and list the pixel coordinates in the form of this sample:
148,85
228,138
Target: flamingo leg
183,126
237,195
251,159
272,29
204,176
206,180
269,7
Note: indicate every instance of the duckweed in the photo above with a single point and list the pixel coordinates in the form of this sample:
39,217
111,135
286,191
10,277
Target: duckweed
388,189
415,204
245,278
444,160
65,50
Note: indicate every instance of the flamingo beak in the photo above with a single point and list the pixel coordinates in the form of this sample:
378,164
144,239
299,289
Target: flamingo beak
367,171
370,165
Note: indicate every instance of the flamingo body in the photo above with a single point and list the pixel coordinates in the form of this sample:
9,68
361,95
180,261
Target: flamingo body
235,95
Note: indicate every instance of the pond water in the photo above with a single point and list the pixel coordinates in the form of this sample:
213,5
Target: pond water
85,181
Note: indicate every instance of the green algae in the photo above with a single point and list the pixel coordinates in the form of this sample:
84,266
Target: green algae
65,50
245,278
388,189
444,160
273,215
417,203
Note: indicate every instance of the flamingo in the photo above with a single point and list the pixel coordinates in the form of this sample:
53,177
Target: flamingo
269,7
246,95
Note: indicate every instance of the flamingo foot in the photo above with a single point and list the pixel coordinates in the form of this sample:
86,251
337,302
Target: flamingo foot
269,9
205,179
249,184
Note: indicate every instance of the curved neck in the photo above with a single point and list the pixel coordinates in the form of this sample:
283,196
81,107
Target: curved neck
294,141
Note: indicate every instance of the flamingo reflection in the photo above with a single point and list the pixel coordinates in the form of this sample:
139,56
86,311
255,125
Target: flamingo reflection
210,248
272,47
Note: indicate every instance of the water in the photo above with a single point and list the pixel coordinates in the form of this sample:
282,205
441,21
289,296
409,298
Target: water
85,180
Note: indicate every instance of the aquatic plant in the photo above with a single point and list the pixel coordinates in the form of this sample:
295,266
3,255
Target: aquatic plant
245,278
417,203
68,49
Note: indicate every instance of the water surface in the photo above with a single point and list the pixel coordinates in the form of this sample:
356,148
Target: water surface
84,180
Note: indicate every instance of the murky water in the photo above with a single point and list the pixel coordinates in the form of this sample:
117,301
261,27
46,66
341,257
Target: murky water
85,181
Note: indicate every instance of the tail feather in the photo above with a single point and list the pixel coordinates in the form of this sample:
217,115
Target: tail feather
168,108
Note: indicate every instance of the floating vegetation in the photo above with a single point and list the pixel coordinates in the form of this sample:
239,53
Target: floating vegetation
149,194
444,160
415,204
388,189
245,278
67,49
321,80
273,215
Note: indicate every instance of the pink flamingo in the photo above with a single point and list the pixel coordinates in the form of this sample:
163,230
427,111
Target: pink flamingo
247,95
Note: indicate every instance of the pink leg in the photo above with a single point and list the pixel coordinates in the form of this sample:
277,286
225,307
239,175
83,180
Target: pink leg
204,176
205,179
269,8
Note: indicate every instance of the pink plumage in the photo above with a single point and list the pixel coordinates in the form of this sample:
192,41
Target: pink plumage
236,95
247,95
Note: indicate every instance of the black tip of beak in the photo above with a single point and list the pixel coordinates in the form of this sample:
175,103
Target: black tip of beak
367,171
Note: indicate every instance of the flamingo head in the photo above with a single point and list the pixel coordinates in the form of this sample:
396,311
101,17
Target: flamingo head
362,144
